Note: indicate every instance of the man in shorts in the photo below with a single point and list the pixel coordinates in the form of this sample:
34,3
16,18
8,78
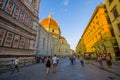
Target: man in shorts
54,61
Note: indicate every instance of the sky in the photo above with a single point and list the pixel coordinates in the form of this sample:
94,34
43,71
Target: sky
72,16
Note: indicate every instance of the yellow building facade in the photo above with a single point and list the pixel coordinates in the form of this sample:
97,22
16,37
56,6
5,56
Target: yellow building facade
80,48
113,8
98,36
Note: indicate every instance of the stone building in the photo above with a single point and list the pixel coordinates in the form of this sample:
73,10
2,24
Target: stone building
64,47
113,8
53,28
44,42
18,30
98,37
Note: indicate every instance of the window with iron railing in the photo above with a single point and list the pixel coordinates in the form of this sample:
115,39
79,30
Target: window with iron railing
115,13
112,33
105,11
108,20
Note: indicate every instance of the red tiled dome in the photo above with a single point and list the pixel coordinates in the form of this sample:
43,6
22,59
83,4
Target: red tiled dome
49,21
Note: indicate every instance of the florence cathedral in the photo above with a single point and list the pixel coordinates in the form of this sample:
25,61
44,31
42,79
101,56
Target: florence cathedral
21,34
61,47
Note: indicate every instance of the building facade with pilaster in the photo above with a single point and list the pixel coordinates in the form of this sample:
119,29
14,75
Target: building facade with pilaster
45,42
64,48
80,48
98,37
53,28
113,8
18,30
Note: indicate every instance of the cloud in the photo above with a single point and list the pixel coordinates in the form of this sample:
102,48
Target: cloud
65,2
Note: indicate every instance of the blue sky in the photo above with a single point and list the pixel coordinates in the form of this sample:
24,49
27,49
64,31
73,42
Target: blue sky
72,16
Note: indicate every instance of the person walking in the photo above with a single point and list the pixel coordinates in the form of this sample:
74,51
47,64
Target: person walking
48,64
54,61
99,59
74,59
71,59
16,62
81,61
109,61
12,65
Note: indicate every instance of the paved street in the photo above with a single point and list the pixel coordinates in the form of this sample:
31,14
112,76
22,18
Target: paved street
65,71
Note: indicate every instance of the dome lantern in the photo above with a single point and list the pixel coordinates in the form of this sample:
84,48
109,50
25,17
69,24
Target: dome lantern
49,15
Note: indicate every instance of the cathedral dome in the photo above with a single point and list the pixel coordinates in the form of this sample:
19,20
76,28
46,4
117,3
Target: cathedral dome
49,21
50,25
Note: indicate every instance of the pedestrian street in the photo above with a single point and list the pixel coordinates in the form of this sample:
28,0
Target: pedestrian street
65,71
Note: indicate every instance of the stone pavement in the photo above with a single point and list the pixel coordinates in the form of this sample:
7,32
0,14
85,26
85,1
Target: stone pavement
65,71
115,66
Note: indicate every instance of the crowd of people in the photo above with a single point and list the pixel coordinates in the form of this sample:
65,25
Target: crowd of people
54,60
48,60
108,60
40,59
